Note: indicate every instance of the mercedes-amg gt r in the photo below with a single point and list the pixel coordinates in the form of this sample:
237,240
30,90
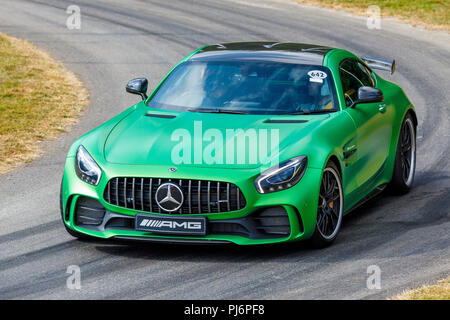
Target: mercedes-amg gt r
245,143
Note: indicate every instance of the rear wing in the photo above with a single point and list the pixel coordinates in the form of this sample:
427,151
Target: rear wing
380,64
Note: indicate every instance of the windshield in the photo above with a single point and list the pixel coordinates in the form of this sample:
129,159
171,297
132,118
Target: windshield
246,87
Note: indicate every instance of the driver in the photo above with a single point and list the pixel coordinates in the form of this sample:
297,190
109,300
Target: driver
318,96
214,87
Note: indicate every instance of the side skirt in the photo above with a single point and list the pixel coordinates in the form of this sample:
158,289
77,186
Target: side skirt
370,196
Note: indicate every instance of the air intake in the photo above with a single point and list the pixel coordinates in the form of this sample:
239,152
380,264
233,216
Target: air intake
88,212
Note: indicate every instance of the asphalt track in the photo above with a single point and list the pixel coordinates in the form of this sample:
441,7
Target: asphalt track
407,237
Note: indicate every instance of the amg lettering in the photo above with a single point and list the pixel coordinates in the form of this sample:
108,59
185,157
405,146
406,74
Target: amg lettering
190,225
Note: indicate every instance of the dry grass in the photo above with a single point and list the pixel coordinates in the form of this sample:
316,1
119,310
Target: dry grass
439,291
39,99
432,14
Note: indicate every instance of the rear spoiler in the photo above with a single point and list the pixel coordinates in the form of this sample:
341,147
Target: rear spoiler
380,64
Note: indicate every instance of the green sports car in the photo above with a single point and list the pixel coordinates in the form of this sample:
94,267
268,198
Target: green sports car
245,143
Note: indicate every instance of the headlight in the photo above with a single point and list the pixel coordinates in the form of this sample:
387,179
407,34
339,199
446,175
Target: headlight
86,168
283,176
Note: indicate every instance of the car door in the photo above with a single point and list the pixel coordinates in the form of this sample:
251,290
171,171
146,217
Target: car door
373,128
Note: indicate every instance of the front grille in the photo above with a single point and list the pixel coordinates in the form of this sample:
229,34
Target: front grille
200,196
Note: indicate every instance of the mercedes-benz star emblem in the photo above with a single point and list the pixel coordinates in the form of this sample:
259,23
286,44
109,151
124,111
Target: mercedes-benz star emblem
169,197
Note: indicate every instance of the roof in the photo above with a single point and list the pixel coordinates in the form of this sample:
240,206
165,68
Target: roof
287,52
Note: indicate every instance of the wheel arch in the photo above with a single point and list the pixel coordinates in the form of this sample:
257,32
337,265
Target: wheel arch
409,111
333,158
338,162
413,115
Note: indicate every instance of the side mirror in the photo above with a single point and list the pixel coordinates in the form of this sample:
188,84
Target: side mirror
368,95
138,86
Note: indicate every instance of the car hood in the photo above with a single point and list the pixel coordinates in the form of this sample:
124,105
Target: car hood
148,136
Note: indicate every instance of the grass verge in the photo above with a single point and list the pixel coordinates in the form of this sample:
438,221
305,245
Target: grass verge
39,99
433,14
439,291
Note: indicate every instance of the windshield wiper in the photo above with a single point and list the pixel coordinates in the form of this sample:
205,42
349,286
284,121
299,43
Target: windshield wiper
202,110
232,111
216,111
307,112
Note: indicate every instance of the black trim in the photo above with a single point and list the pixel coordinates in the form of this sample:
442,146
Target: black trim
175,241
68,206
375,192
265,223
300,221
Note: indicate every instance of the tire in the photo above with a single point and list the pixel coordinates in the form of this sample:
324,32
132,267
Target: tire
330,208
405,158
73,233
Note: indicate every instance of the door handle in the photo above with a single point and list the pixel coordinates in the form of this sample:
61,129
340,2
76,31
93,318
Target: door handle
382,108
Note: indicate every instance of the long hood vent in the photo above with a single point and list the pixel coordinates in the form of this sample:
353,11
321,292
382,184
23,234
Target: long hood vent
162,116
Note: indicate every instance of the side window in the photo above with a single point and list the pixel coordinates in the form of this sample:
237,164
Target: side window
353,76
350,83
364,75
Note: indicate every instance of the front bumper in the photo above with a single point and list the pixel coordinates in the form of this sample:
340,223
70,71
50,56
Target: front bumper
239,227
